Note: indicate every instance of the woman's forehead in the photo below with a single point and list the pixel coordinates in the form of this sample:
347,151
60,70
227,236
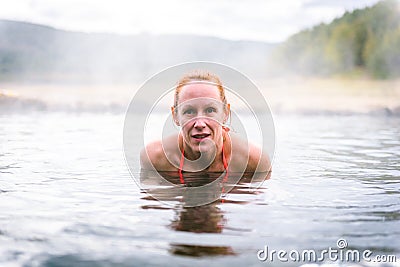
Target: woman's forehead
200,102
198,90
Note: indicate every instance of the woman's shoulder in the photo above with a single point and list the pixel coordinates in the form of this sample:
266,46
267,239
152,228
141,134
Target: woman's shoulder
258,160
250,155
153,156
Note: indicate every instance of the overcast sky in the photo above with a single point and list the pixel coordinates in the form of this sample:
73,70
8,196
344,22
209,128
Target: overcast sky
264,20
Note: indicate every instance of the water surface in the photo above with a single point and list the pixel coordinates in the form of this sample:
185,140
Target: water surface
67,197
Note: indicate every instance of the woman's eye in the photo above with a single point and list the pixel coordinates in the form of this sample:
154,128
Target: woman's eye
188,112
210,110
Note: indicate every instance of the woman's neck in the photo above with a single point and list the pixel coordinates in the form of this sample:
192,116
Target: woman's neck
202,159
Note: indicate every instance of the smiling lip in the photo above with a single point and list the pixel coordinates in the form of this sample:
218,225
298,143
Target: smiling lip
200,137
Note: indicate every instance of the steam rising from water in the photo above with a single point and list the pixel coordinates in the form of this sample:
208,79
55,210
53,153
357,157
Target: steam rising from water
47,69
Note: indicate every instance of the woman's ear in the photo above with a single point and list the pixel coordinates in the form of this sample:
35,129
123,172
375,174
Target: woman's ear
174,117
227,112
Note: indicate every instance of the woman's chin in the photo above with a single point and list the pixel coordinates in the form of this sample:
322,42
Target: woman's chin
204,146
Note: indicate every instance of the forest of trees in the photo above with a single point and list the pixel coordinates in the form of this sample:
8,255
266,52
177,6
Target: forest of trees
364,40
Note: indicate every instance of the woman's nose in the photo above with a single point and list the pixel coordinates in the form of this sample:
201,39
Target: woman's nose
199,123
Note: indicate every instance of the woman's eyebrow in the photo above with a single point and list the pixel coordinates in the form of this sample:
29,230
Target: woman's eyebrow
214,103
209,103
186,106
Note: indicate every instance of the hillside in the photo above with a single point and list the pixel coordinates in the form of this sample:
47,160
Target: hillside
363,41
30,52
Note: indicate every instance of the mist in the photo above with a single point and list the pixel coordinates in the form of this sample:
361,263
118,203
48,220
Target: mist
330,68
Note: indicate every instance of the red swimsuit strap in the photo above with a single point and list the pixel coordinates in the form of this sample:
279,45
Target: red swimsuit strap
225,165
181,167
224,161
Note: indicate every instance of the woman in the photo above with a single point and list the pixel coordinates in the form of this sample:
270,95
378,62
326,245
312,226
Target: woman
204,142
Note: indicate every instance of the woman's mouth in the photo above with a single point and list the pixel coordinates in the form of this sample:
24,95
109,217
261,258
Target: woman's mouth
200,137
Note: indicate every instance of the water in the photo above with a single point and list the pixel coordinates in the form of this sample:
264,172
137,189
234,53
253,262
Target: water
67,198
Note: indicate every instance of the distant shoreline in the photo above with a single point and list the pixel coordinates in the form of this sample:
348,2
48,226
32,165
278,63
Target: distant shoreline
333,95
294,95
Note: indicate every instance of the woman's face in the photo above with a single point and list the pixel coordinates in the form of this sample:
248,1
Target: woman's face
200,113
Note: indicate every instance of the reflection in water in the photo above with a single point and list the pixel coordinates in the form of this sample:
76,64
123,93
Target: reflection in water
201,219
199,251
206,218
